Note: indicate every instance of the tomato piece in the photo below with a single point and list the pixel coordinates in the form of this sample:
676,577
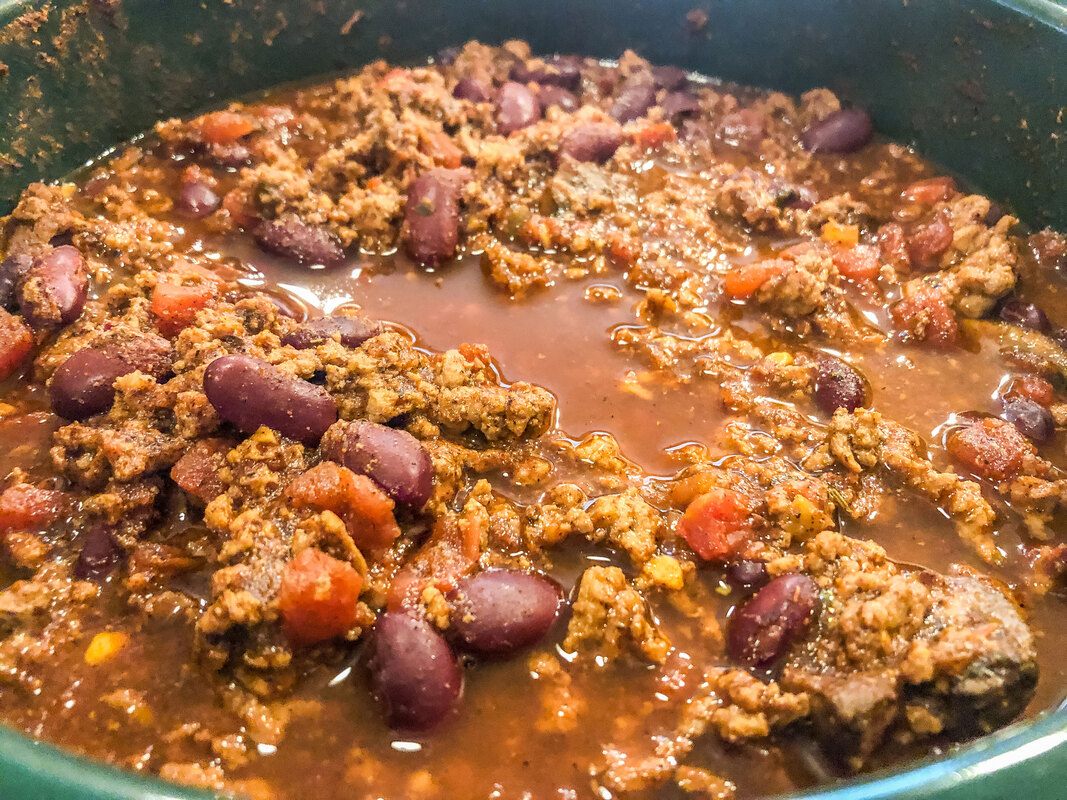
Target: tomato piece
655,135
25,507
366,510
318,597
718,525
440,147
990,447
744,281
238,206
893,245
175,305
16,341
197,472
450,552
1034,387
223,127
926,316
859,263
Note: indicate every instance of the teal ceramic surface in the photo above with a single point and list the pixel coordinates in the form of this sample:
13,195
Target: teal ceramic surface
979,86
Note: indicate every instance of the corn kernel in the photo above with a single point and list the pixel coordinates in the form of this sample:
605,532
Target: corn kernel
665,571
105,646
840,234
780,358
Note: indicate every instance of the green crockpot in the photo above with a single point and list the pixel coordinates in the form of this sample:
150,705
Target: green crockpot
980,86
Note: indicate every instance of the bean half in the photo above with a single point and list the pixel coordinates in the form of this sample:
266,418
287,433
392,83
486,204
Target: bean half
249,392
843,131
351,331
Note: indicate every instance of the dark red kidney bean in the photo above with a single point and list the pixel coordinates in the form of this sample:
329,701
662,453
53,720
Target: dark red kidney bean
516,108
12,269
147,352
669,77
838,385
1025,315
54,290
1049,248
591,141
764,628
196,199
413,672
291,237
83,385
633,99
994,214
562,71
677,105
557,96
352,331
928,241
432,214
1030,418
471,89
446,56
844,131
394,459
499,611
249,392
100,555
746,573
1059,336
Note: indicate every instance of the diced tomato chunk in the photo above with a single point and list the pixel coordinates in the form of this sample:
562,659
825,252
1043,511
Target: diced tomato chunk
1034,387
655,135
236,203
16,341
175,306
718,525
366,510
991,448
223,127
197,472
859,263
744,281
929,241
440,147
926,316
25,507
450,552
893,245
318,597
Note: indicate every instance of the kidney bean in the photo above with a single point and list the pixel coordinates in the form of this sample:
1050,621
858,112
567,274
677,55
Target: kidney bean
677,105
746,573
352,331
54,290
394,459
499,611
446,56
12,269
516,108
838,385
249,392
591,141
472,89
196,199
146,352
100,555
764,628
843,131
83,385
414,675
633,99
432,214
291,237
1025,315
928,241
1030,418
669,77
557,96
562,71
